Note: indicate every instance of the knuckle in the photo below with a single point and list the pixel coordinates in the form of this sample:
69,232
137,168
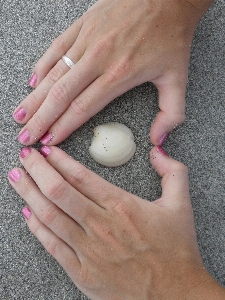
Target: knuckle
121,207
56,190
84,214
35,227
38,122
85,279
51,247
77,178
59,94
48,215
79,107
33,166
58,44
101,47
119,70
183,168
180,168
89,30
177,119
27,192
55,74
34,99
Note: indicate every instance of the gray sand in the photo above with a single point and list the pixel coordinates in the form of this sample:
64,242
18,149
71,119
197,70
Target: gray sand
27,29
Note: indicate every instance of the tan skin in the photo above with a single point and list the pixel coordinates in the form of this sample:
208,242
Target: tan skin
115,245
116,45
112,244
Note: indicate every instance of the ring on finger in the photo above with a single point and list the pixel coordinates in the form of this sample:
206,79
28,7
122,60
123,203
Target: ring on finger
68,61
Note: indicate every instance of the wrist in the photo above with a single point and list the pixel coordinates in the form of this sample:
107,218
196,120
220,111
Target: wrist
207,289
200,6
191,282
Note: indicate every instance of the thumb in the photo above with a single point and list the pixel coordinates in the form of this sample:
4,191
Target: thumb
175,187
172,109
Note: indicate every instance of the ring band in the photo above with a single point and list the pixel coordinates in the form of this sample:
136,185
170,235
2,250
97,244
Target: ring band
68,61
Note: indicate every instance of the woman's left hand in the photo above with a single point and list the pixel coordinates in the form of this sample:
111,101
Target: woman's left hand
113,245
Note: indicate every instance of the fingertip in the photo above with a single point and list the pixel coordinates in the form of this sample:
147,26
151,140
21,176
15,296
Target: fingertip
163,124
46,138
158,159
26,212
175,187
163,163
14,175
19,114
33,80
24,137
45,151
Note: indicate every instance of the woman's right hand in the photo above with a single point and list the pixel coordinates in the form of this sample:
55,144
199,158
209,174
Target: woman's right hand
115,245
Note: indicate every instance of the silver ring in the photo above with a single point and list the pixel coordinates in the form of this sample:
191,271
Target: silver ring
68,61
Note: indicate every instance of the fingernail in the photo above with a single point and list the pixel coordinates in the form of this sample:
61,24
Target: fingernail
26,213
14,175
161,151
45,151
20,114
33,80
46,138
25,152
163,138
24,137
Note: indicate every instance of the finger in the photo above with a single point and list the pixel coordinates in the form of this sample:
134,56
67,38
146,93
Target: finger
59,47
94,98
55,188
47,212
175,187
85,181
64,254
172,109
58,99
29,106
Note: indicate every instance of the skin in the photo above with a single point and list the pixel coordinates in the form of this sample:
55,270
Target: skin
116,45
112,244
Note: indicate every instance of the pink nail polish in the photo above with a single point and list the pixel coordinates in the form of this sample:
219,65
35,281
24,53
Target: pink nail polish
161,151
14,175
45,151
24,137
20,114
46,138
25,152
162,139
33,80
26,213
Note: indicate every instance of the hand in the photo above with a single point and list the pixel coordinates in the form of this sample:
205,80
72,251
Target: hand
116,45
112,244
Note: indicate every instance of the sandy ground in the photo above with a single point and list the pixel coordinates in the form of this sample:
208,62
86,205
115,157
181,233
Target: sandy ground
27,29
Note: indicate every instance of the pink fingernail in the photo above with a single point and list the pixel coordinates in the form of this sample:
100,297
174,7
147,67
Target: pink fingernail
46,138
25,152
14,175
26,213
20,114
162,139
161,151
33,80
24,137
45,151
